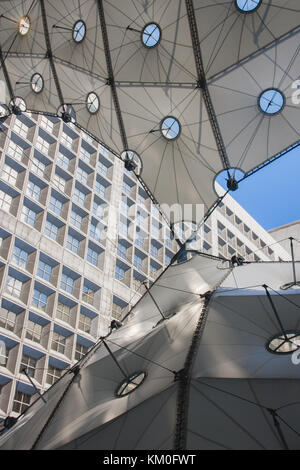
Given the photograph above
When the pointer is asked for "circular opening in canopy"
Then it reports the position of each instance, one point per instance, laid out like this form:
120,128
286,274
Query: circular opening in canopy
170,128
37,83
247,5
24,25
151,35
92,103
130,384
287,344
79,31
271,101
227,180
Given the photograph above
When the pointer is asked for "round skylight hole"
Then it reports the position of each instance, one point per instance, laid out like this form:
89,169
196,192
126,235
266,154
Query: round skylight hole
92,103
130,384
151,35
271,101
37,83
170,128
281,345
79,31
247,6
24,25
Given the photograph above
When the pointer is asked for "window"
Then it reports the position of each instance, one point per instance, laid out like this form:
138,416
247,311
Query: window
80,351
53,375
4,356
29,364
34,331
14,286
51,230
42,145
76,219
85,155
98,209
100,188
119,273
7,319
126,188
28,216
59,182
154,251
123,228
34,190
124,207
122,250
67,283
84,323
155,231
137,262
58,343
21,402
63,312
20,257
5,201
66,140
79,196
15,151
88,294
44,270
47,124
95,231
55,205
9,174
139,241
141,199
82,175
63,161
102,168
39,299
38,166
92,256
21,128
167,259
73,243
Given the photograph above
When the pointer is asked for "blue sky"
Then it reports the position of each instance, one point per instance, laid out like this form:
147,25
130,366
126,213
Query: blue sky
272,196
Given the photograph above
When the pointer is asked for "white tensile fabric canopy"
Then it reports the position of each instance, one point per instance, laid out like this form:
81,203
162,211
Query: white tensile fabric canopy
212,377
120,68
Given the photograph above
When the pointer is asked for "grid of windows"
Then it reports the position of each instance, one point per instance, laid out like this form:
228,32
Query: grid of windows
80,351
85,155
122,250
51,230
53,375
82,175
63,312
88,295
29,364
100,188
67,283
38,167
95,231
79,196
39,299
47,124
73,243
119,273
14,286
55,205
92,256
5,201
85,323
63,161
102,168
9,174
28,216
154,251
76,219
34,190
66,140
21,128
137,261
58,342
15,150
7,319
42,145
34,331
44,270
20,257
59,182
21,402
126,188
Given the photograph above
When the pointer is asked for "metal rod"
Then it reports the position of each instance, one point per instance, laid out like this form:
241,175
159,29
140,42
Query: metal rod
293,260
278,428
156,304
115,360
275,312
34,386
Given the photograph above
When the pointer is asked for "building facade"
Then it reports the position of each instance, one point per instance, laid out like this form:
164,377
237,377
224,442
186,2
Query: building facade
79,237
